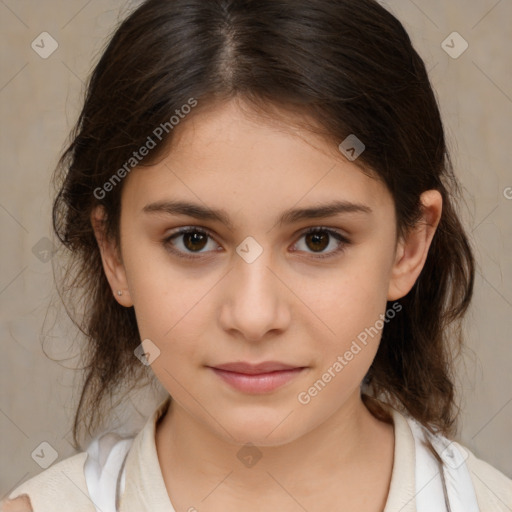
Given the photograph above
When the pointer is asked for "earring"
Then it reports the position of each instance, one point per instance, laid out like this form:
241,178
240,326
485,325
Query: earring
119,292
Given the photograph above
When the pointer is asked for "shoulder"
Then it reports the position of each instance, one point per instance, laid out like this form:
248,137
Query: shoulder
493,489
19,504
63,483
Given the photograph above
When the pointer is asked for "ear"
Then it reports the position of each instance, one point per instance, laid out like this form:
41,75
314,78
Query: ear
412,251
111,258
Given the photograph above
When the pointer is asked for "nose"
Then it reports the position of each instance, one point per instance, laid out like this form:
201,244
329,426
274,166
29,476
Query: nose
255,301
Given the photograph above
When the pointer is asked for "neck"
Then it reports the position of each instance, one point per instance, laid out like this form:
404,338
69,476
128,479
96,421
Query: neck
340,451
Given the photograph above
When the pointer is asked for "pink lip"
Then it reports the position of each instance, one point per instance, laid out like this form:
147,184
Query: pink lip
258,378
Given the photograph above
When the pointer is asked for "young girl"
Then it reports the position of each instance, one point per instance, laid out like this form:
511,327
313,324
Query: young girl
260,209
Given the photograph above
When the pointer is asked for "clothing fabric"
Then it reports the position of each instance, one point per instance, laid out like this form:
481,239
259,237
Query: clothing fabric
132,469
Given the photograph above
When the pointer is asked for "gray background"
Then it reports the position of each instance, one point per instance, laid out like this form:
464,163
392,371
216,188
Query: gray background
39,102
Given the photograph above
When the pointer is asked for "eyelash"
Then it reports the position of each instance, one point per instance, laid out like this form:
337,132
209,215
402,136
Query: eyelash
344,242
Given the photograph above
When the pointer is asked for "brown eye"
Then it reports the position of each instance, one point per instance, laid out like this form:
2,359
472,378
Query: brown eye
187,242
318,239
194,240
191,242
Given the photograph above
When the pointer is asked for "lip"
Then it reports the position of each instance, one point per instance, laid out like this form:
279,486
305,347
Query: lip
257,378
255,369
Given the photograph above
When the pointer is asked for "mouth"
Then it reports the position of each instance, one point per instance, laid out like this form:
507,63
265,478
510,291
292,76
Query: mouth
257,378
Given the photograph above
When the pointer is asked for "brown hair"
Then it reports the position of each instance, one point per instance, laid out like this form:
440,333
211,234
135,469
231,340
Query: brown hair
348,66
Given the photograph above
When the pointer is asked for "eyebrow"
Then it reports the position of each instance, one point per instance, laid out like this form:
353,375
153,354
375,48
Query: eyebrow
290,216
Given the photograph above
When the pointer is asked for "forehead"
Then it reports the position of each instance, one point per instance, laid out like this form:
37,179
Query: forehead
227,157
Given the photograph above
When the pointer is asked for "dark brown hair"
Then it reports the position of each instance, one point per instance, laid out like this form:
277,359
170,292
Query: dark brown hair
350,68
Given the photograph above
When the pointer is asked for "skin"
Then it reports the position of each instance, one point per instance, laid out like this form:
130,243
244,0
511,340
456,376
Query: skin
19,504
287,305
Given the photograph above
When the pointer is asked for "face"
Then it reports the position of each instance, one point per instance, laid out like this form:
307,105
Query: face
248,282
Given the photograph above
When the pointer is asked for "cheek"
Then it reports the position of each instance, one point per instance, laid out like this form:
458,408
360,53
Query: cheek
167,302
346,343
352,306
349,300
171,315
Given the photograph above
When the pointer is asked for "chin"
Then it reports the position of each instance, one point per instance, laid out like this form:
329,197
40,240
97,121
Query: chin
262,428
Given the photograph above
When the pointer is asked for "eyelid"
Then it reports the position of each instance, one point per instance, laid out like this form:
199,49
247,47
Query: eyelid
184,230
343,240
333,232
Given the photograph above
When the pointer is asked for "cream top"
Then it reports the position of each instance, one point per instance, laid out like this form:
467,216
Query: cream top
64,482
